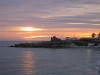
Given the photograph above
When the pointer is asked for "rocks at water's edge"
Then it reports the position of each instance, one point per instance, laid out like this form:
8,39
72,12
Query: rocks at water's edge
58,43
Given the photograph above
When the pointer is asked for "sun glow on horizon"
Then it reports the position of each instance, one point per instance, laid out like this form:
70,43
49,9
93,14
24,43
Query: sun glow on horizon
30,29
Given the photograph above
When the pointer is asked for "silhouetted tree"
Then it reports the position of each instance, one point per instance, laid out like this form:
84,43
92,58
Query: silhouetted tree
93,35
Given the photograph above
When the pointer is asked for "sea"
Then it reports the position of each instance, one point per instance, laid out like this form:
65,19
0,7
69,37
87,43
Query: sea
48,61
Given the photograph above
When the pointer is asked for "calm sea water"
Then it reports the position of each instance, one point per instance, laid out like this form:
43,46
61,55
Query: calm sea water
45,61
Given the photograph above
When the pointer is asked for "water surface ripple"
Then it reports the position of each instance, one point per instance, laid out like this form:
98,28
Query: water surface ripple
45,61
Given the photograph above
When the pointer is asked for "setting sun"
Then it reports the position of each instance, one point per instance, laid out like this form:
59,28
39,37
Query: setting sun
30,29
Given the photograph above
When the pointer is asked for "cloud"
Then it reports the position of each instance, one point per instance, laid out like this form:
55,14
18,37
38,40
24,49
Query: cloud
50,13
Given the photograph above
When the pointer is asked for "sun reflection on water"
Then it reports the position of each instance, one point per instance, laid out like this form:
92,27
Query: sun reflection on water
88,54
28,63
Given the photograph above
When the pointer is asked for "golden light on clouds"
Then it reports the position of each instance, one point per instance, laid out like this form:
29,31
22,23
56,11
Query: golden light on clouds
34,33
30,29
96,24
75,23
96,20
85,35
32,37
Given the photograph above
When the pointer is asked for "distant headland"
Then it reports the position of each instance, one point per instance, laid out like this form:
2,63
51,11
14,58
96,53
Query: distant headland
55,42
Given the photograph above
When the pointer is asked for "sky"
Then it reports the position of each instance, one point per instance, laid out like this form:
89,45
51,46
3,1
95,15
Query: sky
41,19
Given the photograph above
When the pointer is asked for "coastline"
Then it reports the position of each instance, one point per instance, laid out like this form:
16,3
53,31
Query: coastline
45,45
59,43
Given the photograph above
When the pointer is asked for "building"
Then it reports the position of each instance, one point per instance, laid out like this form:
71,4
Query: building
71,39
98,36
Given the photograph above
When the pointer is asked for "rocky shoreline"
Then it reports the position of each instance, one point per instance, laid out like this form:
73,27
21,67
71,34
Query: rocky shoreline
41,45
58,43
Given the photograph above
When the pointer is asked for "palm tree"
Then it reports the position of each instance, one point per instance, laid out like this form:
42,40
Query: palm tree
93,35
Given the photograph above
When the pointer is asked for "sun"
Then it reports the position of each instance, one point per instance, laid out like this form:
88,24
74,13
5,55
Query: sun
30,29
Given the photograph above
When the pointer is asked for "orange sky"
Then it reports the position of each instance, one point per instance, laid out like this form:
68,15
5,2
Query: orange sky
32,33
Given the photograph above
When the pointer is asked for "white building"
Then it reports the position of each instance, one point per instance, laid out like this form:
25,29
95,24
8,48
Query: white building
98,36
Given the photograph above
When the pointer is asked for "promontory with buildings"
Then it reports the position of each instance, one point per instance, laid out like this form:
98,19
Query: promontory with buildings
93,41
